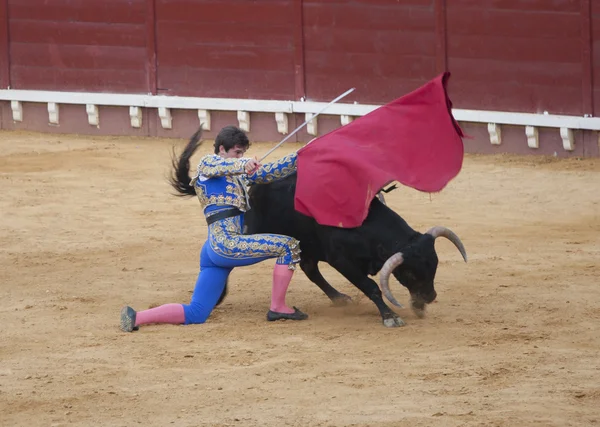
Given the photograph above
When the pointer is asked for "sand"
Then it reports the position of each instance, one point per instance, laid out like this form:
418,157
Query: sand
89,224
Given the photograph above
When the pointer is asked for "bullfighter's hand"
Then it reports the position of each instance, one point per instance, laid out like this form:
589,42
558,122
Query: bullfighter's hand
252,166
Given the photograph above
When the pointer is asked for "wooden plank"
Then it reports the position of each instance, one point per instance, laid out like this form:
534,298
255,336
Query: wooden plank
100,80
536,6
441,36
526,73
151,60
370,66
113,11
299,41
4,46
322,87
383,42
80,33
78,57
511,23
595,22
357,16
516,49
224,34
586,58
375,3
231,59
223,47
220,83
513,96
241,12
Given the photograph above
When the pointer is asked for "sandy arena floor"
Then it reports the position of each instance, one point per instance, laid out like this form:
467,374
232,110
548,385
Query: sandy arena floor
89,225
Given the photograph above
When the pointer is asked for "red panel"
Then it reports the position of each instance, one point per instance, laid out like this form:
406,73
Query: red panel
383,91
201,56
492,71
233,49
515,49
76,56
79,45
256,12
377,42
441,39
224,35
385,51
596,55
299,68
503,56
395,17
99,80
369,66
374,3
4,56
226,83
536,6
151,60
514,96
586,58
81,33
113,11
512,23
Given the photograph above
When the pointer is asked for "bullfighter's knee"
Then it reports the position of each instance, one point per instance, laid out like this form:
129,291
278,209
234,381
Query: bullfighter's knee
195,313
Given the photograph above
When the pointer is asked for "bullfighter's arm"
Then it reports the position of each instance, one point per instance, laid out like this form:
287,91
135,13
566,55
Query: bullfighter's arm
213,165
274,171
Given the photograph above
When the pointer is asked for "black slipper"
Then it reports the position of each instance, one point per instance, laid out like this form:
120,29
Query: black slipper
296,315
128,319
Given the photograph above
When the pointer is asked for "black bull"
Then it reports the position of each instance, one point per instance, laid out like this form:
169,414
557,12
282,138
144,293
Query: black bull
383,244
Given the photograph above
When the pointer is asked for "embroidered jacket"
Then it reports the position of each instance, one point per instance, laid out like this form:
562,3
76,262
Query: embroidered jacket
222,183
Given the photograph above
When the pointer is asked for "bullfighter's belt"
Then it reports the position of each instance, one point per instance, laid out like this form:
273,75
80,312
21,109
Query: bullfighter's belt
222,215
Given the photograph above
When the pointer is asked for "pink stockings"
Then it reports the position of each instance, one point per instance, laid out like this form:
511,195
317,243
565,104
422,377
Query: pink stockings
168,313
174,313
282,277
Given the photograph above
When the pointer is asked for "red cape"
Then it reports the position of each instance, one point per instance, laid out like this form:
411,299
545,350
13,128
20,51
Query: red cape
414,140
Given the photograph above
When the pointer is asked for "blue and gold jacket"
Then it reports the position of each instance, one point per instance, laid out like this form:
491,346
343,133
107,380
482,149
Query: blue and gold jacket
222,183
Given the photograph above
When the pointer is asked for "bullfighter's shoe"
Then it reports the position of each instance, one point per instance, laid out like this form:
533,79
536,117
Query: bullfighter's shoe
296,315
128,319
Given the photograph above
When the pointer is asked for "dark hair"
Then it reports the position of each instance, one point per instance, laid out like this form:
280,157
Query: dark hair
229,137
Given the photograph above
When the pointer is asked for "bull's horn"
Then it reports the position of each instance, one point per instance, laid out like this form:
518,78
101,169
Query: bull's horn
448,234
384,276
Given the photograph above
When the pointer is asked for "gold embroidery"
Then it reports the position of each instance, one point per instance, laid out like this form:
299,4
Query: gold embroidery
227,240
275,170
214,165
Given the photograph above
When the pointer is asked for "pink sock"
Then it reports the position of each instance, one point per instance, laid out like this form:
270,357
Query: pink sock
168,313
282,276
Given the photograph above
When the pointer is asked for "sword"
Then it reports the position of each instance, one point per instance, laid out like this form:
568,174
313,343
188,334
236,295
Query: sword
349,91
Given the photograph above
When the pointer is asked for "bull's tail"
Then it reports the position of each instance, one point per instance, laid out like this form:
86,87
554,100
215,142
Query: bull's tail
180,174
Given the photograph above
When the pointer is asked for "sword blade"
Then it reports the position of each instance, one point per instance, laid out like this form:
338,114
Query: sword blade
348,92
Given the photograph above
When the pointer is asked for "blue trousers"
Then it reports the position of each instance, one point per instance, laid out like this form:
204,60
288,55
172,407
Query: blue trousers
225,249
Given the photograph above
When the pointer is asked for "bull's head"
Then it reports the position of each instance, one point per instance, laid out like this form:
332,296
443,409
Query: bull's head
416,268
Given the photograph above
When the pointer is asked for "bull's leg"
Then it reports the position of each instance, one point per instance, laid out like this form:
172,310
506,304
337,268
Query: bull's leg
311,269
223,294
370,289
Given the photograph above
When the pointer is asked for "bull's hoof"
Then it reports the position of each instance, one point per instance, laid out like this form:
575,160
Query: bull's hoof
419,312
341,300
418,307
393,322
